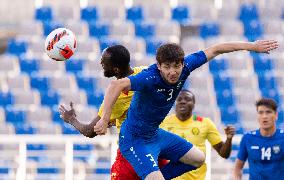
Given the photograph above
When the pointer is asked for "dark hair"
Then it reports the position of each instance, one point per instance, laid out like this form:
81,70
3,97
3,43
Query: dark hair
189,91
120,56
267,102
170,52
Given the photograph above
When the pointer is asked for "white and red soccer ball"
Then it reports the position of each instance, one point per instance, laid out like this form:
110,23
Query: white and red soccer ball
60,44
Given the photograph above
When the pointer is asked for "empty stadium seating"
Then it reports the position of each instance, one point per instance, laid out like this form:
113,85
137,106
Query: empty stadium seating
32,85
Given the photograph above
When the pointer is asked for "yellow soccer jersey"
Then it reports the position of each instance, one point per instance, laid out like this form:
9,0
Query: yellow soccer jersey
119,110
195,130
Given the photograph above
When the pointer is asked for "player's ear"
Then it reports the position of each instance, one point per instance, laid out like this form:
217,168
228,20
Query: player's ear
116,70
159,66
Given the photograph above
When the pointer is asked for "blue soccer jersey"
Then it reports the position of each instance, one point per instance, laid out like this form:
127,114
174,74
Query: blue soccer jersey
265,155
154,98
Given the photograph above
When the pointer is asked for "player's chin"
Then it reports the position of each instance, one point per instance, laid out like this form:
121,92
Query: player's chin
172,81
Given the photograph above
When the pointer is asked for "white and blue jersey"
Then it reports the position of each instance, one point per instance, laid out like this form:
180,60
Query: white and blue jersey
141,140
265,155
154,98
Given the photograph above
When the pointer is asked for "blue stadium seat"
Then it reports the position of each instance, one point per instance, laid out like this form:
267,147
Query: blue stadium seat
81,158
36,158
218,65
98,30
225,98
135,14
29,65
209,30
49,98
222,82
6,99
56,116
152,45
235,147
107,42
181,14
86,83
44,14
229,115
280,119
74,65
262,63
271,93
94,99
4,170
253,29
48,170
36,147
102,171
89,14
40,83
17,47
83,147
69,129
248,12
15,116
267,82
24,129
50,26
144,30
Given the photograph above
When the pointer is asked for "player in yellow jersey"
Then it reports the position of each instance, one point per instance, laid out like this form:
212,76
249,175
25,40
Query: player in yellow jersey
196,130
115,62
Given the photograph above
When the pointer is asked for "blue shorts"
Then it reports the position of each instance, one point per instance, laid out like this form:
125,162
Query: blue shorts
143,153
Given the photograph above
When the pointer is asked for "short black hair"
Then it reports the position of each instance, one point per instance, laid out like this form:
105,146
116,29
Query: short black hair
120,56
267,102
170,52
189,91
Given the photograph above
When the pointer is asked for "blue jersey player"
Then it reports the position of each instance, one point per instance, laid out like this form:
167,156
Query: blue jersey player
263,148
141,140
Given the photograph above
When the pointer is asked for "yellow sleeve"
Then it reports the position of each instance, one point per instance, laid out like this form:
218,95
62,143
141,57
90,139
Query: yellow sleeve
213,134
117,111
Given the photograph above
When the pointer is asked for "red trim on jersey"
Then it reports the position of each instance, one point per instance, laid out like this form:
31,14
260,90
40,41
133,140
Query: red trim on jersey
198,118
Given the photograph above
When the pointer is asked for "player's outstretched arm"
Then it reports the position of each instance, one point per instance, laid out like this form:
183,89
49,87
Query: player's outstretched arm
69,116
224,148
238,169
112,93
260,46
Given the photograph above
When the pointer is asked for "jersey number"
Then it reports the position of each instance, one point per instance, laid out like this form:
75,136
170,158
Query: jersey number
170,94
152,159
265,153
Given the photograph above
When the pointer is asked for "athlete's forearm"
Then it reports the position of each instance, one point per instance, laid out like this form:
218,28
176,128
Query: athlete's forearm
85,129
226,148
237,175
234,46
237,172
112,93
228,47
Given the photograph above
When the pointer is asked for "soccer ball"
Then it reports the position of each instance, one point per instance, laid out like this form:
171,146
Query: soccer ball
60,44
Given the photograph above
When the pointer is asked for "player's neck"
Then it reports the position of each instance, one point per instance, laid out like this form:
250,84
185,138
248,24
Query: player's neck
127,73
268,132
184,117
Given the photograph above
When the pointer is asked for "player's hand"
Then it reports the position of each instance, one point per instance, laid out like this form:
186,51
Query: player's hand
101,127
230,131
67,115
265,46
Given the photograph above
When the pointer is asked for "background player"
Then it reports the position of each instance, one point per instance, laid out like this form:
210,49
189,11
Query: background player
263,147
141,140
196,130
115,62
